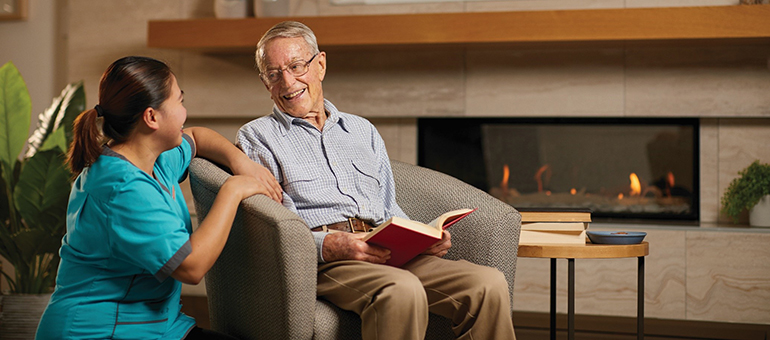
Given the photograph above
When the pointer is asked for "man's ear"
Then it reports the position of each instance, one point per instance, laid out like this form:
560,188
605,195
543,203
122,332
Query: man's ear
322,65
150,118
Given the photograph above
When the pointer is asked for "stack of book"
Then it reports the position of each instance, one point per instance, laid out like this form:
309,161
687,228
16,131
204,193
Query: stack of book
553,226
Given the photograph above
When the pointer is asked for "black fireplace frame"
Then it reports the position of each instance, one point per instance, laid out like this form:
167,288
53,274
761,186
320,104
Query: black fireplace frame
468,150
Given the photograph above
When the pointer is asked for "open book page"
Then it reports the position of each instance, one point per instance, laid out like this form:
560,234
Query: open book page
405,224
451,217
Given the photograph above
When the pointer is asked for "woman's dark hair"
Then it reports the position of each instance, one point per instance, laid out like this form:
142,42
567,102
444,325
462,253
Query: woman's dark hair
128,87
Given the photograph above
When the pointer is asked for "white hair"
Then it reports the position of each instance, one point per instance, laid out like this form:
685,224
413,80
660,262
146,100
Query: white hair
286,29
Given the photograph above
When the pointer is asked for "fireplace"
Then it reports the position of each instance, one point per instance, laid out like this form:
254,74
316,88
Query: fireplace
621,168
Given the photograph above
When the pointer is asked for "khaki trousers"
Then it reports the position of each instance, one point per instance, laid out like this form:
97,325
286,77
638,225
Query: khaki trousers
394,302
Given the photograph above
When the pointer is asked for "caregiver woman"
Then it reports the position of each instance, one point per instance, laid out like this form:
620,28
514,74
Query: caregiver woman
129,242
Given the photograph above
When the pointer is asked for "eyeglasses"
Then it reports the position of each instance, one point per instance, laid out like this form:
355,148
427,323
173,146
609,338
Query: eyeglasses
297,69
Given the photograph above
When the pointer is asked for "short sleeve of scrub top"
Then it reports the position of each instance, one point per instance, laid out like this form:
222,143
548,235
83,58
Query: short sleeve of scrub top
148,231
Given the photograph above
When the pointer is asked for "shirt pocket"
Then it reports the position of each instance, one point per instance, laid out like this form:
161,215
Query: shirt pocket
301,179
141,320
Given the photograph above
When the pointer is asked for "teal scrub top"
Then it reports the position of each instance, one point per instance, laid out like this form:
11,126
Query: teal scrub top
126,233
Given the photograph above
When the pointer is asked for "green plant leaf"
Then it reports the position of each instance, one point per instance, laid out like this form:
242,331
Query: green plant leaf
62,112
15,112
4,202
34,242
56,140
43,191
744,192
74,108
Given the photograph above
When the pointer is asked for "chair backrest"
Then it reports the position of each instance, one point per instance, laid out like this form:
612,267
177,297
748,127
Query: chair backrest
263,284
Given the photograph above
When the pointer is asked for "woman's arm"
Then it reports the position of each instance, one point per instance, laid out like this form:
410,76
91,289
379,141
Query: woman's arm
211,145
250,178
209,238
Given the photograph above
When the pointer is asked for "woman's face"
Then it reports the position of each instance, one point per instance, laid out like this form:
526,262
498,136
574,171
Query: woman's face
173,114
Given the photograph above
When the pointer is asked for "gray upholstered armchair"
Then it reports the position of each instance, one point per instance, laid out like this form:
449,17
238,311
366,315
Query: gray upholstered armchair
263,284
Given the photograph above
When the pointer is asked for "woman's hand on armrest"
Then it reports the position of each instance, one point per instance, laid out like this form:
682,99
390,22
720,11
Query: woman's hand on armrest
245,166
209,239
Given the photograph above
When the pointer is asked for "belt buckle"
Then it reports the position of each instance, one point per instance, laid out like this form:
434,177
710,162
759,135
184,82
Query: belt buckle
352,224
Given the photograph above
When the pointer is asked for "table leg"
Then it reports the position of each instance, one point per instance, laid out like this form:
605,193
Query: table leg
553,299
571,300
640,300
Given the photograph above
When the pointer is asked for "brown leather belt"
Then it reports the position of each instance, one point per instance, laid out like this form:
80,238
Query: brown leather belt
352,225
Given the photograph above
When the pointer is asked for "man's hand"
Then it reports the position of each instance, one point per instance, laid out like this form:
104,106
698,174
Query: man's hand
349,246
263,175
440,248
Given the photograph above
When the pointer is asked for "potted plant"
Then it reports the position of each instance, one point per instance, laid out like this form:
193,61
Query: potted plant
750,191
33,193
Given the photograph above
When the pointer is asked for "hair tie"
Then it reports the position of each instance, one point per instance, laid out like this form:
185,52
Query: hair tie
99,111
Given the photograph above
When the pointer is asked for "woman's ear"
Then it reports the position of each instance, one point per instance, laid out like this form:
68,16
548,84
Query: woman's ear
150,118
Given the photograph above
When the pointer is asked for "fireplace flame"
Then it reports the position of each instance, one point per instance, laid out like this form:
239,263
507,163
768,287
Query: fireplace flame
504,183
539,176
636,187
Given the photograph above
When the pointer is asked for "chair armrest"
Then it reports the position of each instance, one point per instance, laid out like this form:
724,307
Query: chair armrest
489,236
263,284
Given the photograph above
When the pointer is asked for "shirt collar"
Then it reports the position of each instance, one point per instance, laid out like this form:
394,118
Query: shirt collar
286,120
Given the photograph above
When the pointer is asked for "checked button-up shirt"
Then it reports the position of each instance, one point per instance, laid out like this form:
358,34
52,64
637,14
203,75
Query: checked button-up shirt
327,176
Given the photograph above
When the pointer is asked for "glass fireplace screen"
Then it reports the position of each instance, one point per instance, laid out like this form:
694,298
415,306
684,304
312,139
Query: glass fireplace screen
625,168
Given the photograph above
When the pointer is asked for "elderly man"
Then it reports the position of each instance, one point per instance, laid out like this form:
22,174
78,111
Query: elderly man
336,175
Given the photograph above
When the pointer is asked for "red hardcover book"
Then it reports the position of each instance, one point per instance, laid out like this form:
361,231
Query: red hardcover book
406,238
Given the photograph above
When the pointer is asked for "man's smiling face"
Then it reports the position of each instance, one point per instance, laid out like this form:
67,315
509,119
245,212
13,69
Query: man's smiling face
301,97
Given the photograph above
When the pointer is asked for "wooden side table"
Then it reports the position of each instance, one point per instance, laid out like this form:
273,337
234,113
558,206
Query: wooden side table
589,251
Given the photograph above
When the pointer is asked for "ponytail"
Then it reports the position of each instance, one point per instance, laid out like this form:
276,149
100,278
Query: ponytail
86,143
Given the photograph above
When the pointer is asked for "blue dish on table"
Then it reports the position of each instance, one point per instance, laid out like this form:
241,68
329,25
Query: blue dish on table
616,237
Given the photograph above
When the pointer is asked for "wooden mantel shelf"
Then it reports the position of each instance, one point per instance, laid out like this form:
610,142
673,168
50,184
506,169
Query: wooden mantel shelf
749,23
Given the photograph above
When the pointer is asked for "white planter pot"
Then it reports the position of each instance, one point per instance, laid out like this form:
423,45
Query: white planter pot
20,315
759,215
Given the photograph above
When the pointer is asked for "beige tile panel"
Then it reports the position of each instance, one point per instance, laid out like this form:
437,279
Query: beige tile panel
531,289
304,8
709,170
396,83
698,81
400,136
570,82
197,9
408,136
728,277
741,142
609,286
540,5
220,86
327,8
100,32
